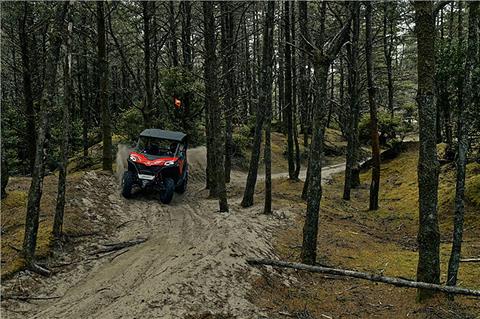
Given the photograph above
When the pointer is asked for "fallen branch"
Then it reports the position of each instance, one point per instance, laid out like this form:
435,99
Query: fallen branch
367,276
117,246
39,269
118,254
27,298
470,260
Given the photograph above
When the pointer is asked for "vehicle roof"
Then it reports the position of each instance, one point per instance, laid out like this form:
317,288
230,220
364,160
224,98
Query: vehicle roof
162,134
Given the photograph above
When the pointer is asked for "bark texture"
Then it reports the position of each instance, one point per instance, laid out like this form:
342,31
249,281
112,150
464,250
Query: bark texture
46,105
323,57
63,163
462,145
375,183
288,91
103,88
266,79
228,60
428,269
399,282
214,110
352,170
25,53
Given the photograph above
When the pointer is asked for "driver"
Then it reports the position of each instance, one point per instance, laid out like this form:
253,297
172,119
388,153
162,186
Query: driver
173,148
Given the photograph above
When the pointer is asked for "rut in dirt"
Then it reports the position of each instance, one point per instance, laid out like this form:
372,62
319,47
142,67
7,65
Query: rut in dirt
193,261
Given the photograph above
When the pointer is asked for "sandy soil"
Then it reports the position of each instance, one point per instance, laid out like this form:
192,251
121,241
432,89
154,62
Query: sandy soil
193,262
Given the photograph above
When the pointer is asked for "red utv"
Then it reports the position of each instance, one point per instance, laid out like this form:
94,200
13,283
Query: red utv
159,163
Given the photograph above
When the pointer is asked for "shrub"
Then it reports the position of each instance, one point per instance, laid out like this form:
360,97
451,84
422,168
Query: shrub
389,127
130,124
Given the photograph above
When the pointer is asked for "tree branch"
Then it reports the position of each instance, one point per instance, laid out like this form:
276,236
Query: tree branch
335,44
439,6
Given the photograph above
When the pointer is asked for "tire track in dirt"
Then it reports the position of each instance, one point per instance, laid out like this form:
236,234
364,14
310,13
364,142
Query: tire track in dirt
192,263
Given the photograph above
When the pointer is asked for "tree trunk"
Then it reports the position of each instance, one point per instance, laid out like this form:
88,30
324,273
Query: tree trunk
428,269
462,135
228,59
314,189
341,98
303,74
375,184
148,99
248,70
247,200
294,94
63,163
281,79
266,84
388,22
352,170
288,93
46,105
173,33
84,92
321,40
332,96
322,60
4,171
214,110
25,46
103,87
186,9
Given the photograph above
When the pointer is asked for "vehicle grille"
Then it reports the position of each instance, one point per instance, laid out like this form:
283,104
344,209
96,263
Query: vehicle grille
149,170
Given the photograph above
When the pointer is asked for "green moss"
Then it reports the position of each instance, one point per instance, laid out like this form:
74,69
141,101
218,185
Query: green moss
472,190
14,199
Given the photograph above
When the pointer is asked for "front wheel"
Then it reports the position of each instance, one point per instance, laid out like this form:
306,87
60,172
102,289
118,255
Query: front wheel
128,181
183,186
167,194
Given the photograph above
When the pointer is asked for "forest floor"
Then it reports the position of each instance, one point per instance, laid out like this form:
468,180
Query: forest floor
192,264
382,242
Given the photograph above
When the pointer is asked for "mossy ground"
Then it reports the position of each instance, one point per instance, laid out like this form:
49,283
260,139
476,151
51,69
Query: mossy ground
13,209
333,141
383,242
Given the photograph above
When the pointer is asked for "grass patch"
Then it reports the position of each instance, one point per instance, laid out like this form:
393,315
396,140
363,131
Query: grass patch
13,210
382,242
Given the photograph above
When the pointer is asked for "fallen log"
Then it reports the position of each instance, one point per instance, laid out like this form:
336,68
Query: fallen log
367,276
470,260
117,246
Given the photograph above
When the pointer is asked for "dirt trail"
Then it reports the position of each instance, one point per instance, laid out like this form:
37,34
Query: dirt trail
192,263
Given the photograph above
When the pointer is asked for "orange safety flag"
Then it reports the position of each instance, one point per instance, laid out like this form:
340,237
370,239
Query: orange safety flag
177,102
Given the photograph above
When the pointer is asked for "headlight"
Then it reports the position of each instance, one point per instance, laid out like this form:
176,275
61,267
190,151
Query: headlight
133,158
167,163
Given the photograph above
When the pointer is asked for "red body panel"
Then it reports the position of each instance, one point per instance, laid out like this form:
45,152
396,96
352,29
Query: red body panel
142,159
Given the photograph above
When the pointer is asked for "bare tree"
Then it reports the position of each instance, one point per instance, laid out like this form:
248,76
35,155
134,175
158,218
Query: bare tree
266,80
428,269
25,52
288,91
388,47
304,74
63,163
103,87
214,111
375,184
462,136
228,59
324,54
352,171
46,105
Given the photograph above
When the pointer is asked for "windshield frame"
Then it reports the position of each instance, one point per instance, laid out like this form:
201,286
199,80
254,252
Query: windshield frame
146,140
